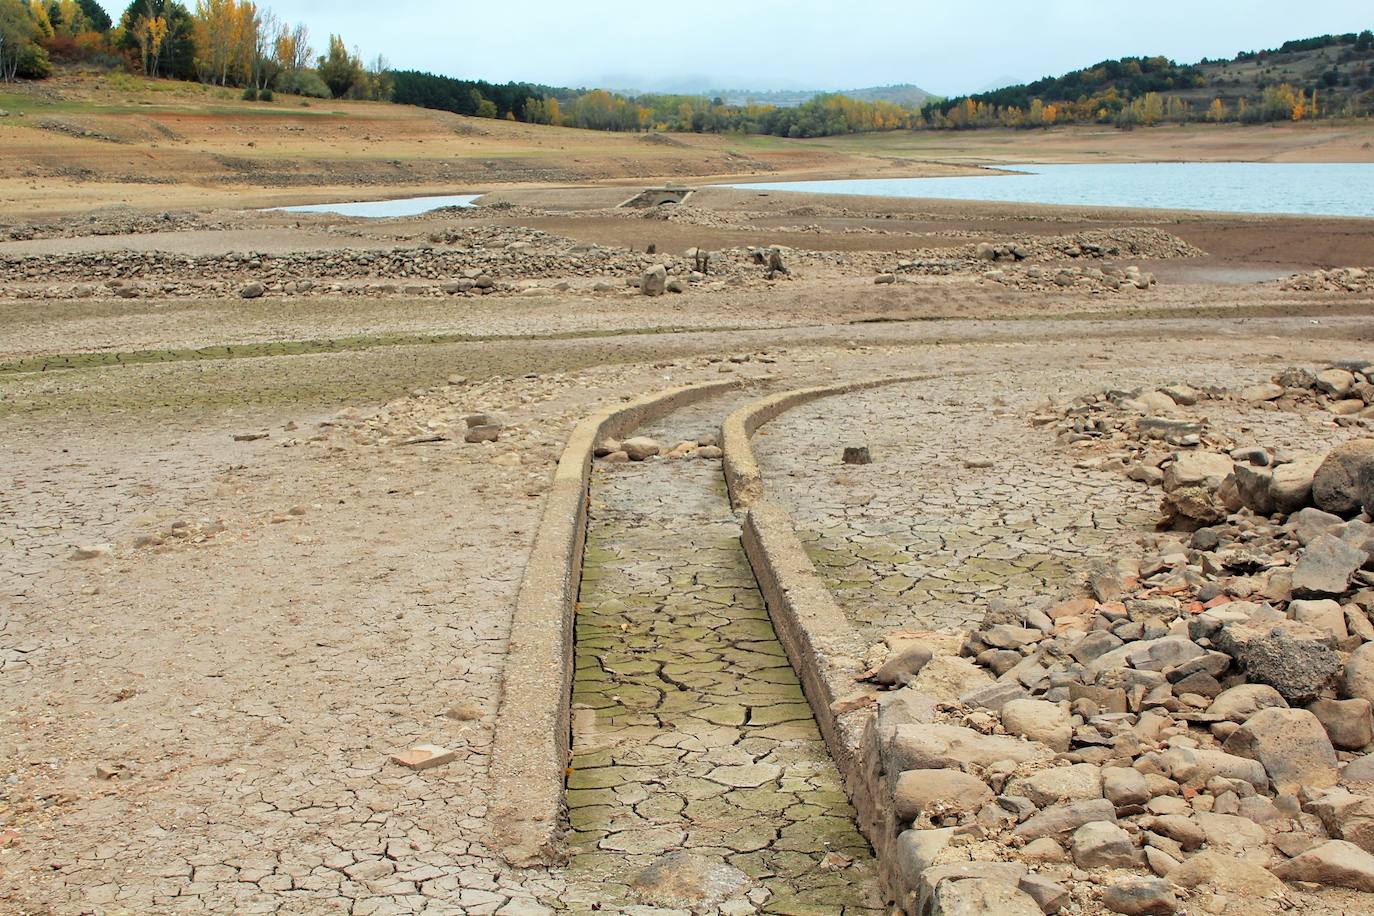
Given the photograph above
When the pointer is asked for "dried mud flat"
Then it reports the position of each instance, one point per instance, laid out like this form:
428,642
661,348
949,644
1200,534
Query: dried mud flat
249,554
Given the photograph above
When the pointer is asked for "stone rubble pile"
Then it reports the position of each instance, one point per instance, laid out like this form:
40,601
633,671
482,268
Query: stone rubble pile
1189,733
1339,280
643,448
117,222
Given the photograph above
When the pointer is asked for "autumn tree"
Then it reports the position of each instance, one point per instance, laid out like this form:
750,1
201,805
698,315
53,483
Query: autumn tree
176,52
339,69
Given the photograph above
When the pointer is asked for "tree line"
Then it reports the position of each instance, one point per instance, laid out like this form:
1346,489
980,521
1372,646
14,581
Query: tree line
238,43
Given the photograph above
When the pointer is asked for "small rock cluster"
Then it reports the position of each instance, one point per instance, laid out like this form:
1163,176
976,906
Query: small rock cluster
1192,731
1107,278
643,448
1340,280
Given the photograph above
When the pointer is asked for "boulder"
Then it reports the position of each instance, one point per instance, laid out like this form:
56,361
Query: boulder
1326,566
903,665
1079,782
937,746
1335,863
1290,485
1227,875
1335,383
980,897
1140,897
917,850
1348,723
252,290
1342,480
1347,817
641,448
1359,673
1125,786
1102,844
1323,614
938,792
1299,669
1310,523
1064,819
1236,704
1197,469
654,281
1039,720
1291,745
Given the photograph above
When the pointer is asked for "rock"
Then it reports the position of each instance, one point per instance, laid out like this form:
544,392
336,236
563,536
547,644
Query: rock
948,677
93,552
858,454
1040,721
676,285
1290,485
1063,819
938,792
1140,897
641,448
1359,772
981,897
253,290
936,746
489,433
1101,844
1049,896
1079,782
1334,864
904,665
607,447
1197,469
1291,745
1344,478
1358,682
1335,382
1043,851
1323,614
1265,392
1255,486
1244,700
1326,566
654,281
1310,523
1348,723
1227,875
1299,669
424,757
684,879
1197,767
1180,828
1154,402
885,279
917,850
1347,817
1124,786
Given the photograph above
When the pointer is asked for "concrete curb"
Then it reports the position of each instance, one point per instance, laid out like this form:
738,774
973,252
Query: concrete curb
533,727
824,648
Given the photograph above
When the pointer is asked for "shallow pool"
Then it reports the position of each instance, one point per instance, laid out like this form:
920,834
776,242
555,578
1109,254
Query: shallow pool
405,206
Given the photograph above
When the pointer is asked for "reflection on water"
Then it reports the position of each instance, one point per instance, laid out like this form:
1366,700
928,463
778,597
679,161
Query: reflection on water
1319,189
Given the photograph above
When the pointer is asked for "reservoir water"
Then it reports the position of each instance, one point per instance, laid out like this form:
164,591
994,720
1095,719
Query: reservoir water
1315,189
406,206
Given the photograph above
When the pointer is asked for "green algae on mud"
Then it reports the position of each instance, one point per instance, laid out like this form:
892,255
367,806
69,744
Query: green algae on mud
691,730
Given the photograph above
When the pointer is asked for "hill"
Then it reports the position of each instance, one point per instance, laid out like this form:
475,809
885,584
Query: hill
1326,76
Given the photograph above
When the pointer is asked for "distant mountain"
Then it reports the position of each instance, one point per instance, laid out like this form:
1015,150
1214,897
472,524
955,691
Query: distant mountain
904,94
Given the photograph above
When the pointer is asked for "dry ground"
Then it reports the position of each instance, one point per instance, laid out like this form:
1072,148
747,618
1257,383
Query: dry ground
272,616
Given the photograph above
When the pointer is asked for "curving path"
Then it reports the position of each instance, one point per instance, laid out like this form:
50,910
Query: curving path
699,779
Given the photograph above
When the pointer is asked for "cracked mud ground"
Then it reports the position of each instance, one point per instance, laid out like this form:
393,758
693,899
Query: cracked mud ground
690,728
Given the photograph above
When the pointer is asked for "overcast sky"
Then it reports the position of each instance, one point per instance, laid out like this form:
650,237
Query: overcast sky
946,48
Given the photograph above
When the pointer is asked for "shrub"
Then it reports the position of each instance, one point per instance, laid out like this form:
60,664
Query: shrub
33,63
264,95
304,82
249,94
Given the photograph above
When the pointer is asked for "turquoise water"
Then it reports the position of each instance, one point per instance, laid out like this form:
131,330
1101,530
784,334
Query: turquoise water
406,206
1324,189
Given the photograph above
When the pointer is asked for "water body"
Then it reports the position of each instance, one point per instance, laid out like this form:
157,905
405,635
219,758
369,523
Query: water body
376,209
1313,189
